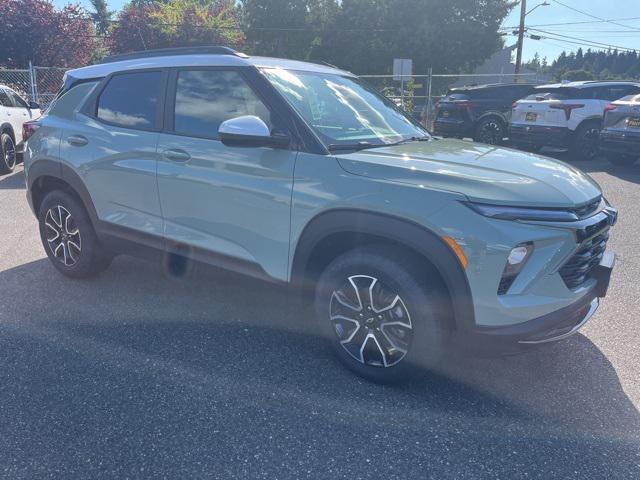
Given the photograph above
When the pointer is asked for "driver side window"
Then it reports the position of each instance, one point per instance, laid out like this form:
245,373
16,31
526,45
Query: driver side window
206,98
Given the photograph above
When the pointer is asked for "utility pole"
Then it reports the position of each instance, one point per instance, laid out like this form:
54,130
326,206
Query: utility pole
523,13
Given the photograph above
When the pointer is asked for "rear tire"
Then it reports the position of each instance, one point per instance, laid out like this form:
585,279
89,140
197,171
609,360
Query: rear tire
490,130
7,153
585,144
68,237
382,322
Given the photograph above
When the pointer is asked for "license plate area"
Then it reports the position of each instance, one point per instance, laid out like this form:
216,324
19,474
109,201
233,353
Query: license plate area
633,123
531,117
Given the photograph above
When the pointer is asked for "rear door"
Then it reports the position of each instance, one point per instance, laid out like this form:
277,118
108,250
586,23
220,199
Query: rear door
19,113
111,144
5,105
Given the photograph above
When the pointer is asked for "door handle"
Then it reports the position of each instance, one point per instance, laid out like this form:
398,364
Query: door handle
177,155
77,140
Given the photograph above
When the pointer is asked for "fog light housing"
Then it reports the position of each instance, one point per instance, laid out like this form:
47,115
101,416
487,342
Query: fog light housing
516,260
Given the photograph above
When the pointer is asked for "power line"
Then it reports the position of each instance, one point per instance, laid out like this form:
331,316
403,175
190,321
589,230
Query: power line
593,16
624,19
582,41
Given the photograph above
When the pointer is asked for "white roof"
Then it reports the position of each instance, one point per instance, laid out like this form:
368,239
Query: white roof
196,60
585,84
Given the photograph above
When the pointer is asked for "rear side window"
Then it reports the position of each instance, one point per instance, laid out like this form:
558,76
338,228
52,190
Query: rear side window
206,98
131,100
71,100
4,99
17,100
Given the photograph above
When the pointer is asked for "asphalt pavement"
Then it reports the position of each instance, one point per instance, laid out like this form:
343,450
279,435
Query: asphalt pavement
139,375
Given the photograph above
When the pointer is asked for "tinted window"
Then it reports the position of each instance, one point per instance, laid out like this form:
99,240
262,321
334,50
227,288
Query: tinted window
69,101
618,91
131,100
17,100
206,98
4,99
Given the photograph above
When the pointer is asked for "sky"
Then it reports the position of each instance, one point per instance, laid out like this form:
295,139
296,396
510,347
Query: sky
600,32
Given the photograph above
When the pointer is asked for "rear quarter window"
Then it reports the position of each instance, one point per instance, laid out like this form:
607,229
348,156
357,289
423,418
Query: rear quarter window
71,100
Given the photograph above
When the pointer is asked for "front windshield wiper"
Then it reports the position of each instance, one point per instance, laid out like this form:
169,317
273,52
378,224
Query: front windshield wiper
410,139
351,146
362,145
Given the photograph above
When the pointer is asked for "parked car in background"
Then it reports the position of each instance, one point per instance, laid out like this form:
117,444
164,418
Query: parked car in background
302,175
566,115
620,135
481,112
14,112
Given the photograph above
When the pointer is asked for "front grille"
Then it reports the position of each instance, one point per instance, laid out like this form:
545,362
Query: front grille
588,209
576,271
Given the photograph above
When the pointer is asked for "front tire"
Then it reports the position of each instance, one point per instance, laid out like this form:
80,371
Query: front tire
68,237
7,153
382,322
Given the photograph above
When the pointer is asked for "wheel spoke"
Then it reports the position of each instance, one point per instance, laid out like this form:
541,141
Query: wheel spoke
62,235
379,337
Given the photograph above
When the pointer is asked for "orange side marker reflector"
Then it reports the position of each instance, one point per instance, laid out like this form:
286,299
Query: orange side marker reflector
457,250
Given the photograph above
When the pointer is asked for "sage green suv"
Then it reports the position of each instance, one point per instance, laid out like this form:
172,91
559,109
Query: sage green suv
303,175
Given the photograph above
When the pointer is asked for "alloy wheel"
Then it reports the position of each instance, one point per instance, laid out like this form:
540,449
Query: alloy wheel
371,321
9,151
490,133
63,235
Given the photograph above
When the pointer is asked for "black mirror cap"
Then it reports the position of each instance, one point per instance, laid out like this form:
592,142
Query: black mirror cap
277,140
34,105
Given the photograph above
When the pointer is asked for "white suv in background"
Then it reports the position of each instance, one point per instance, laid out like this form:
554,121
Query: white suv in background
566,115
14,112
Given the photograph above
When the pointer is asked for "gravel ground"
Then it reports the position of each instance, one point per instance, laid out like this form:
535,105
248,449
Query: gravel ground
137,375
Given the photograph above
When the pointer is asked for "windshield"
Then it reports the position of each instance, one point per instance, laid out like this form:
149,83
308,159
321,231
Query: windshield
344,110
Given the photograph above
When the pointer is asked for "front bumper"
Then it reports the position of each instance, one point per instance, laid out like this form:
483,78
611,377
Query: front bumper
548,328
614,141
539,135
452,128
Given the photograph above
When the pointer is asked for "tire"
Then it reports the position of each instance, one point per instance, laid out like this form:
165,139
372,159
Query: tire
68,237
411,327
7,153
490,130
621,160
585,144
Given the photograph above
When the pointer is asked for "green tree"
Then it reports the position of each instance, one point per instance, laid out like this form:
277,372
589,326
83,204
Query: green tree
176,23
448,35
101,16
286,28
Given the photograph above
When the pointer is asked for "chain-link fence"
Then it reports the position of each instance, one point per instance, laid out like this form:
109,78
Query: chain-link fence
38,84
418,94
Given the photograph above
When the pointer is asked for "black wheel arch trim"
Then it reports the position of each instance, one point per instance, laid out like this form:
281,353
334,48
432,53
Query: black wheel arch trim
499,115
405,232
7,126
56,169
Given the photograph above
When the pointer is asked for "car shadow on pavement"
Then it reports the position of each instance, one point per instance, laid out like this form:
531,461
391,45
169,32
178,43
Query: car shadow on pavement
13,181
138,370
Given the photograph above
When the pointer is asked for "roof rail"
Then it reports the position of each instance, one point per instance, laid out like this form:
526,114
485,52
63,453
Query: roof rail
165,52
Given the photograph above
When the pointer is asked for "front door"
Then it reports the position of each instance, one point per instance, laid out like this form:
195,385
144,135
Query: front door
226,204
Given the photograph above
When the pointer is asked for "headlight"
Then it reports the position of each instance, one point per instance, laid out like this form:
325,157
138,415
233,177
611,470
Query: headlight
522,213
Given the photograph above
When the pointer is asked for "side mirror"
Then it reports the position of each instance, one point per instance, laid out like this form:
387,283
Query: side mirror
249,131
34,105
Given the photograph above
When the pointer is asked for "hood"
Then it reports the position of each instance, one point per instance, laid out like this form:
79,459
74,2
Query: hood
480,172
